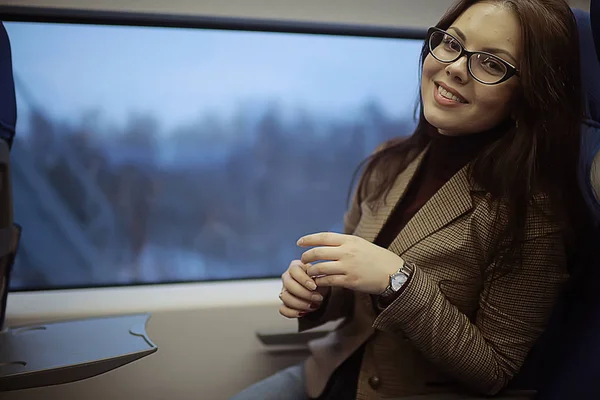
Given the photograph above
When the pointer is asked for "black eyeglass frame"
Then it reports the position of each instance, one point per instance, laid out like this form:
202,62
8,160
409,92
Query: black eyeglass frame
511,70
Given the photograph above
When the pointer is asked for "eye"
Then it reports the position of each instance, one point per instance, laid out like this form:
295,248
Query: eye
492,65
451,44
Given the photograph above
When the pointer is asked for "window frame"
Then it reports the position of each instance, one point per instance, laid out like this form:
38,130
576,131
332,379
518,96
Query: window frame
98,17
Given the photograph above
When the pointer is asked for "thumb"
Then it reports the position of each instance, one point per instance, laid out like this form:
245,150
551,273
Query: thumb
305,267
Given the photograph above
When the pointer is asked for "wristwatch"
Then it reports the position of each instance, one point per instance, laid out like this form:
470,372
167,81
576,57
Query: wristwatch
398,279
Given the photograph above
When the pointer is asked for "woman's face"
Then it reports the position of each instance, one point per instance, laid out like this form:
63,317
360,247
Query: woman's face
476,107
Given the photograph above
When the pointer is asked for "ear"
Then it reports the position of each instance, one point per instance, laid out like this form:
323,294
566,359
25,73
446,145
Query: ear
514,117
516,101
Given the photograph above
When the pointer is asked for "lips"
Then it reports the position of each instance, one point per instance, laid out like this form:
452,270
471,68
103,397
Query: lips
456,96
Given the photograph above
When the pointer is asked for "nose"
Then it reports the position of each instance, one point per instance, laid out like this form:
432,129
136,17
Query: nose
458,70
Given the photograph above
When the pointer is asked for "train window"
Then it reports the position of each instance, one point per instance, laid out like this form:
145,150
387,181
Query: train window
148,154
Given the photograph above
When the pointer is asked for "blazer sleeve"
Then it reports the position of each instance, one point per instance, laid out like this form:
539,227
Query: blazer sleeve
484,352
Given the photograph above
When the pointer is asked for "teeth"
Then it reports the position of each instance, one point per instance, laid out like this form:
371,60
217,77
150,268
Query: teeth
448,95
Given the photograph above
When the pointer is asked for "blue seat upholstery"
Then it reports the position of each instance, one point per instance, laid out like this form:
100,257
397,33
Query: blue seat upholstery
8,103
595,20
590,68
578,372
9,232
565,363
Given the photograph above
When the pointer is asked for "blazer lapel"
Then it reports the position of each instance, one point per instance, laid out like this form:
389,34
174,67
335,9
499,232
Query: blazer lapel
369,227
450,202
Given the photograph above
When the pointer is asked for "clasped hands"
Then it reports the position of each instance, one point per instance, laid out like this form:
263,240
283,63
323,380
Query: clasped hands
346,261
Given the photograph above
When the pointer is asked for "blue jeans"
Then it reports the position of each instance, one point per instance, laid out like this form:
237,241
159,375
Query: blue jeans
287,384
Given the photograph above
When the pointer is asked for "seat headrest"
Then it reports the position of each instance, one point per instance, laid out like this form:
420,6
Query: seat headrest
590,133
590,64
595,20
8,103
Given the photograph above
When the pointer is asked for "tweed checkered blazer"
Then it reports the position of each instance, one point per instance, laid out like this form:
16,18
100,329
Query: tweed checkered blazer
449,331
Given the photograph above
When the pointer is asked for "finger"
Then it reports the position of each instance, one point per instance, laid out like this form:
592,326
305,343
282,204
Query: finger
294,303
326,268
299,263
304,266
301,285
321,253
296,289
333,281
322,239
289,313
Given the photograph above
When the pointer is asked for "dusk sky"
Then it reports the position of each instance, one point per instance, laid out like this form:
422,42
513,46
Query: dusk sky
179,74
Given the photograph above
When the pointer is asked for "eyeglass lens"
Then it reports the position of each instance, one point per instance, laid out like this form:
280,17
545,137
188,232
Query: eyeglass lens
484,67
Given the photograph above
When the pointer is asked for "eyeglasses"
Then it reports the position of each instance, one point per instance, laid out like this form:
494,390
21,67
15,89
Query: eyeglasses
483,67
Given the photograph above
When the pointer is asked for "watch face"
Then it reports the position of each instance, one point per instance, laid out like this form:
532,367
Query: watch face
397,281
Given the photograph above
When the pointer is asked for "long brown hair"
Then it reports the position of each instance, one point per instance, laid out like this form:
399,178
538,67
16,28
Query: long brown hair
537,154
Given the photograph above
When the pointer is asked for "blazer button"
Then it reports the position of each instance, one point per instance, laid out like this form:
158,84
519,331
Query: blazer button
374,382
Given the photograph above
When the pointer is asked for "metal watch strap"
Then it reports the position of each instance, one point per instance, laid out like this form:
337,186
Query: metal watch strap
406,268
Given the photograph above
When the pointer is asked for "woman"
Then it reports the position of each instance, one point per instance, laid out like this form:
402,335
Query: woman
454,250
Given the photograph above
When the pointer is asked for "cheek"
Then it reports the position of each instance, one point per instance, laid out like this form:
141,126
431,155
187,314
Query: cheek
495,100
430,68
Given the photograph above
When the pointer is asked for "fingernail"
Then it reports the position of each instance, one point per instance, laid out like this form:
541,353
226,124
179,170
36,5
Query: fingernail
314,306
299,242
311,285
317,297
301,313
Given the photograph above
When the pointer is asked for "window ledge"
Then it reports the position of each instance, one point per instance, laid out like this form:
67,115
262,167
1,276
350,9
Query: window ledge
140,299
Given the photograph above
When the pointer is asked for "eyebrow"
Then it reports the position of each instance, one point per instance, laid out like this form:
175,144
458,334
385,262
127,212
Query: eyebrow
494,50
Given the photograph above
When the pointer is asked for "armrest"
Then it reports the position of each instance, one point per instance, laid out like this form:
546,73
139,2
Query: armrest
293,338
275,338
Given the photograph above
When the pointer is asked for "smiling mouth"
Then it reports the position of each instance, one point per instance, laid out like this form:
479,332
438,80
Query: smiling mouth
450,96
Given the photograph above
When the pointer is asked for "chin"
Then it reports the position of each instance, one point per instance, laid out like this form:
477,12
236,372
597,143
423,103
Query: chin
447,123
441,123
449,129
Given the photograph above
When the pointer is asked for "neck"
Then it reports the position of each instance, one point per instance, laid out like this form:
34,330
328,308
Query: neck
486,136
451,153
